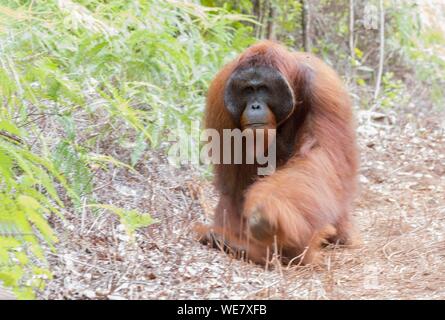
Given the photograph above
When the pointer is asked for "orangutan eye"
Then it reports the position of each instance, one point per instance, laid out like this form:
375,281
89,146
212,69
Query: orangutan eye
248,90
262,88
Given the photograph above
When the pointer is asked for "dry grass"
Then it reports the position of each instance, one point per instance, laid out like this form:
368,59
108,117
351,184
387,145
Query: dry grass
400,213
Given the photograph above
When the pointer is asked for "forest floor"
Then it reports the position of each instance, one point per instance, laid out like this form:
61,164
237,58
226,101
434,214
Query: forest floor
400,213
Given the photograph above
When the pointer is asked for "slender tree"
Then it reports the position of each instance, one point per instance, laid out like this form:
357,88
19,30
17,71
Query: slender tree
382,50
305,24
351,29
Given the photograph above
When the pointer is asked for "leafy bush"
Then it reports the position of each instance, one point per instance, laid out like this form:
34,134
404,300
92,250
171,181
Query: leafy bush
27,197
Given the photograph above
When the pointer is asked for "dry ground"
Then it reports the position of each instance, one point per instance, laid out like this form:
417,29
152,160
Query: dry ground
400,213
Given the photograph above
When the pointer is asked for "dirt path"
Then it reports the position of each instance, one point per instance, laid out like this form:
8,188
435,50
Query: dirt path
400,213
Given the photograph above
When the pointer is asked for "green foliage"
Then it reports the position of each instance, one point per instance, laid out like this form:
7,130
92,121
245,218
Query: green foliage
150,61
131,219
27,197
418,45
288,21
72,163
393,93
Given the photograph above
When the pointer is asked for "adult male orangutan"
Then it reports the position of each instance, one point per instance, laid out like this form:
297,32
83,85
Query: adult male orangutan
307,200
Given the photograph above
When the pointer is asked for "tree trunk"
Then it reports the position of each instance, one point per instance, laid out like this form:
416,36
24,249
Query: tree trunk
382,50
271,23
257,14
305,24
351,29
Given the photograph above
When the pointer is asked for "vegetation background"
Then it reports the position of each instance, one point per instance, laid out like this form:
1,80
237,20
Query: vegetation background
91,90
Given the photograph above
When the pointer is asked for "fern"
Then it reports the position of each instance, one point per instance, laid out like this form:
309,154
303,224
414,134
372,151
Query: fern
73,165
27,197
130,219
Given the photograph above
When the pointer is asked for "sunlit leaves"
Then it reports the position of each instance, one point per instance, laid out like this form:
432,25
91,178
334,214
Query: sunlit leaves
24,208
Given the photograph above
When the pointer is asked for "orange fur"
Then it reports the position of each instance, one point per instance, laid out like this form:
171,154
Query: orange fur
313,187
